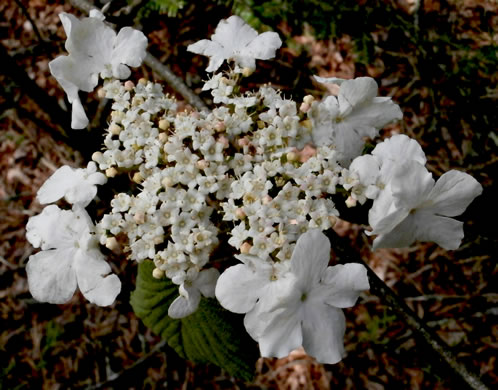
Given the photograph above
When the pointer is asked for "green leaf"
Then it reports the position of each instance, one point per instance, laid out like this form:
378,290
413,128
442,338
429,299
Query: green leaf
210,335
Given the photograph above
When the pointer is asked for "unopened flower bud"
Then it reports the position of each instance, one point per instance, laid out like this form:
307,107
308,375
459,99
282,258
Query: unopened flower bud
245,248
112,244
350,202
224,141
111,172
239,213
220,126
101,93
202,164
332,220
157,273
139,218
266,199
162,137
163,124
142,81
167,182
308,99
292,156
115,129
243,141
129,85
246,72
260,124
305,107
137,177
306,153
97,156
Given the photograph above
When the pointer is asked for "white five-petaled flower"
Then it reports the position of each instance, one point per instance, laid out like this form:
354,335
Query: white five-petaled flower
78,186
418,208
301,306
69,258
356,113
94,48
235,40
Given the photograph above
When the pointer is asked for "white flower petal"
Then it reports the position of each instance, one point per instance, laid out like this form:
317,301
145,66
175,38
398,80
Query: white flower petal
446,232
182,307
51,277
355,92
206,282
343,283
263,47
239,288
329,80
129,48
310,257
39,227
411,184
399,148
280,334
453,192
323,333
400,236
95,280
56,186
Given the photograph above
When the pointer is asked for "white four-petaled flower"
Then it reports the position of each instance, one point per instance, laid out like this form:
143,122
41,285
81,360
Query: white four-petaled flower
299,306
94,48
235,40
69,258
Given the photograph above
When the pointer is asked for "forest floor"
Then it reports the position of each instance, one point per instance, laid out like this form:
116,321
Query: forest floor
443,77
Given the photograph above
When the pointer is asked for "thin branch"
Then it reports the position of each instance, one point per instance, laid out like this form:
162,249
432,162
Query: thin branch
28,16
161,69
396,303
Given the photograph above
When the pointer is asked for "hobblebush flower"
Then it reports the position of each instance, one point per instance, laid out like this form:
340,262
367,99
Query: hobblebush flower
344,121
297,306
421,208
254,180
94,48
77,185
235,40
69,258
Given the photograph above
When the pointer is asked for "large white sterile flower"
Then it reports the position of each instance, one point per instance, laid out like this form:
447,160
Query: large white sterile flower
235,40
356,113
69,258
302,307
190,293
94,48
421,208
78,186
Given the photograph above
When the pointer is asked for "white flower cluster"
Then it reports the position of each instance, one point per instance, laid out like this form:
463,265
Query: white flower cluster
253,179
